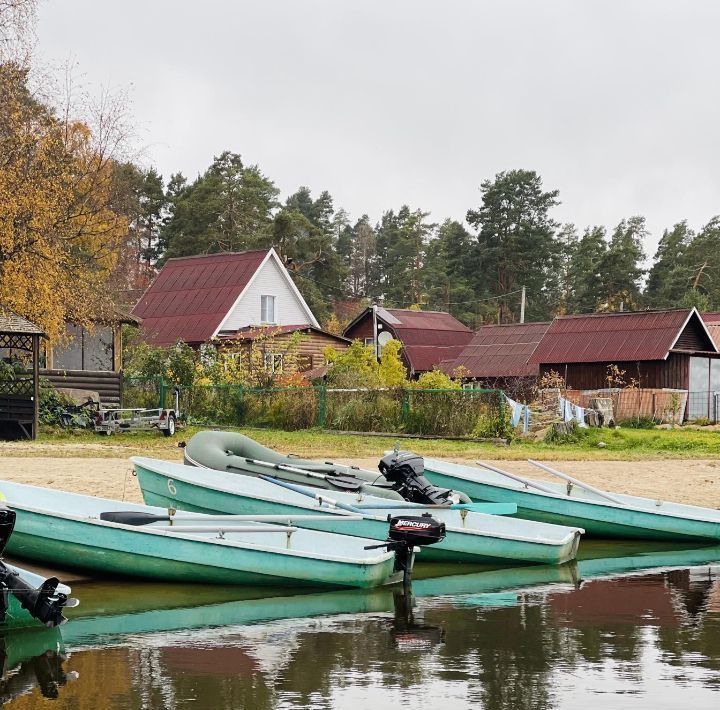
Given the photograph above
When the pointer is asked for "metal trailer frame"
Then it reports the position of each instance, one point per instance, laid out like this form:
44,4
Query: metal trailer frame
118,420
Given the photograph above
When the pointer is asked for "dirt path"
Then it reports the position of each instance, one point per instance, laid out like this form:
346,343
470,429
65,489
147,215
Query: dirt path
686,481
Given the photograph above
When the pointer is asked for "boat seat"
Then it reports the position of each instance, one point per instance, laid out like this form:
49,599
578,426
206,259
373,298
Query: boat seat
130,517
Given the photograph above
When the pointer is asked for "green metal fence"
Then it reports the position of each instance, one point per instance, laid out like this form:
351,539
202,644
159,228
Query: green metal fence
418,411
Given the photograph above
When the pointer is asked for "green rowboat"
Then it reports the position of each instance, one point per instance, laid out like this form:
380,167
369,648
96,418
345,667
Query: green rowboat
470,536
55,525
600,514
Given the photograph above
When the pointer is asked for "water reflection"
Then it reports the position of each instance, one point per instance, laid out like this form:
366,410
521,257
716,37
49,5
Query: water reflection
639,630
32,660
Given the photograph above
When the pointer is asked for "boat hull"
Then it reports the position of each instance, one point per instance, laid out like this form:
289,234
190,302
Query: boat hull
161,490
596,518
124,551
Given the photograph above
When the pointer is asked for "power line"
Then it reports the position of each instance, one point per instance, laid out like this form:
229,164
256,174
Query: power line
409,303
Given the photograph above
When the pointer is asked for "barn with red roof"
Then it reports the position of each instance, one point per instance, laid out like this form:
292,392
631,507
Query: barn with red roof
668,349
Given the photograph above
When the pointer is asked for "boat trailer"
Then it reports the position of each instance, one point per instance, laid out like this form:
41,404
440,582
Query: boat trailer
115,421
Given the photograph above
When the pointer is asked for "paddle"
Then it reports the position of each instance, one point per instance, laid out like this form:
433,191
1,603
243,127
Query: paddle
318,496
525,481
577,483
140,517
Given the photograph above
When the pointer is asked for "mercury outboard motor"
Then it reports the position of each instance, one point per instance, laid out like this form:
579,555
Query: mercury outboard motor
408,532
44,603
405,470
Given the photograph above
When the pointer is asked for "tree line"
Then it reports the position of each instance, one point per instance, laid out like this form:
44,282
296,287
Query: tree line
474,268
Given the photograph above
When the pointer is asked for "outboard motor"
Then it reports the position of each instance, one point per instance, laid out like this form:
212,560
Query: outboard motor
44,603
405,470
408,532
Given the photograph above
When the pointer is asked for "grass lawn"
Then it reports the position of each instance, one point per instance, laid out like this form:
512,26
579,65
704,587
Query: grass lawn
620,444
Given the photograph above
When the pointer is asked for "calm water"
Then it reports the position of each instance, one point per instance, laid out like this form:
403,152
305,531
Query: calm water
624,628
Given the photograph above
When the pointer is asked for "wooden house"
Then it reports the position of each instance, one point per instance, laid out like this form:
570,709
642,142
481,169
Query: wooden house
427,337
234,299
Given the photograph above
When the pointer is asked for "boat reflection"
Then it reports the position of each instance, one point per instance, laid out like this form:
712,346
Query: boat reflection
32,659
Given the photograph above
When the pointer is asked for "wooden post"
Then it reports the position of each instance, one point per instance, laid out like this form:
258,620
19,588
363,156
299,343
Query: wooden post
36,384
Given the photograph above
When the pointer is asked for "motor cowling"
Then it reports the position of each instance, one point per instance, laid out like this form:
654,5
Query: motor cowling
405,470
416,530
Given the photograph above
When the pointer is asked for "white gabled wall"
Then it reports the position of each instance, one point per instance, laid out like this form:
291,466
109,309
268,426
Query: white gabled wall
270,280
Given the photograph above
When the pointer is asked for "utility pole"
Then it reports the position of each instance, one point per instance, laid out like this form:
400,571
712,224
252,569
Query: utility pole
522,305
375,333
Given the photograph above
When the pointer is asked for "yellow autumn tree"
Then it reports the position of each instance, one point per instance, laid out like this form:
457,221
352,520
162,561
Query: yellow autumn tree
58,236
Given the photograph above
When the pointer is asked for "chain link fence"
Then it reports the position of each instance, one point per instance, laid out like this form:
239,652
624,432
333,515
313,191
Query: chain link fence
464,413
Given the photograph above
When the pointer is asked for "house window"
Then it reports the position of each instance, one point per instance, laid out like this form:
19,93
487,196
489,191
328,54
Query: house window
370,342
273,362
267,309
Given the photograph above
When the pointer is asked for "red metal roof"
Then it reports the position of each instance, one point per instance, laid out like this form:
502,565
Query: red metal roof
615,337
428,337
191,295
712,317
500,351
423,358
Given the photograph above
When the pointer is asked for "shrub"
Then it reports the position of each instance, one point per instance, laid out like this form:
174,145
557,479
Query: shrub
575,435
637,423
52,403
435,380
363,411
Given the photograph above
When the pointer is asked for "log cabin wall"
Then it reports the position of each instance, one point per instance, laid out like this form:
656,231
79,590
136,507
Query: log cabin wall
108,385
310,350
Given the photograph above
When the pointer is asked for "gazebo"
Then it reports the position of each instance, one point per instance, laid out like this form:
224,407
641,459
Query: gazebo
19,376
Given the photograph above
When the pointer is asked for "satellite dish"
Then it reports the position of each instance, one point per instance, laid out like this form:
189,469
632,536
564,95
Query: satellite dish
384,338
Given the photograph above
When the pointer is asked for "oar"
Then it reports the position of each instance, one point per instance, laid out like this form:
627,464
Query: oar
225,528
577,482
140,517
317,496
486,508
525,481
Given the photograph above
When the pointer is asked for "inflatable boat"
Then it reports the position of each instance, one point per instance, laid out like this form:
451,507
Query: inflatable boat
400,475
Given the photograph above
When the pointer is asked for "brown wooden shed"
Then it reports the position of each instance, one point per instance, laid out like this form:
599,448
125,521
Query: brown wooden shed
659,349
19,376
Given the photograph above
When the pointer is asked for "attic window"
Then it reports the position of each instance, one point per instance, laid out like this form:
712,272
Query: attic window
267,309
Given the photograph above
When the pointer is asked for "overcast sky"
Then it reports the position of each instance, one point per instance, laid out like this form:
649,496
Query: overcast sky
616,103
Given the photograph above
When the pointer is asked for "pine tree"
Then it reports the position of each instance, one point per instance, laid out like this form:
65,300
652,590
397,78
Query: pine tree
671,274
620,268
401,243
584,279
515,244
228,208
446,273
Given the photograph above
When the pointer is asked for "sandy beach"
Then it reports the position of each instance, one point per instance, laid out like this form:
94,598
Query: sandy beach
687,481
